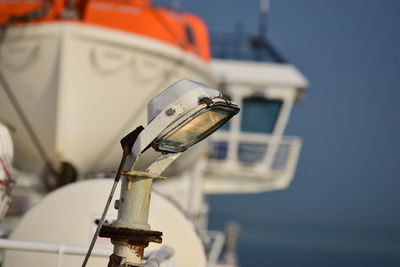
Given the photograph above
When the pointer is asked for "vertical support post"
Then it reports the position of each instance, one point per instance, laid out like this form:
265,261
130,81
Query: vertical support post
131,233
133,213
133,210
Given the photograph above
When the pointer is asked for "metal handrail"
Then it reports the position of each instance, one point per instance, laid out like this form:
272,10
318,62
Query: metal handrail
266,162
216,249
155,257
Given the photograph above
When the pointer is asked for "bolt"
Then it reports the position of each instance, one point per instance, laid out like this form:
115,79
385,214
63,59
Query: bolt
170,112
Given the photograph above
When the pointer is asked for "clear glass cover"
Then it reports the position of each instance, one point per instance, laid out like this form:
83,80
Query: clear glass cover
195,130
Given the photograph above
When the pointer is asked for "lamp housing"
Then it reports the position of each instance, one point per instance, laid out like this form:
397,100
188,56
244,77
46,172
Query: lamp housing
202,110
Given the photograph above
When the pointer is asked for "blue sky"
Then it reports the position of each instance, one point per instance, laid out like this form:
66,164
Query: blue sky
343,206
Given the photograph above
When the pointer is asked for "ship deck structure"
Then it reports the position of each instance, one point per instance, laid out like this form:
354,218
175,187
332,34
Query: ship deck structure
72,87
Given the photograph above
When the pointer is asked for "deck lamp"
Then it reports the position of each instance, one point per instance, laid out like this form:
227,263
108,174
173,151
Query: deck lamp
179,117
200,110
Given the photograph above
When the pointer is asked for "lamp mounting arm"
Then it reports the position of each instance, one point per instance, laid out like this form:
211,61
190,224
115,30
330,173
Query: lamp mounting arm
148,134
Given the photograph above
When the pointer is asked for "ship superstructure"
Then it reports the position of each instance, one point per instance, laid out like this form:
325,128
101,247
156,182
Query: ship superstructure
76,79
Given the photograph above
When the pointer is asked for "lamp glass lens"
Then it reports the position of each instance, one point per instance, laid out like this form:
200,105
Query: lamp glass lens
196,129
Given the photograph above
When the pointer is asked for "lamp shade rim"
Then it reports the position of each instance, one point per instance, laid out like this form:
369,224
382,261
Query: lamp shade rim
219,105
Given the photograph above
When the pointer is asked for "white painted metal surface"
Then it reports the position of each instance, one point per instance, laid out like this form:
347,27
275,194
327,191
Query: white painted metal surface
6,169
6,148
58,248
217,247
82,86
273,156
234,176
68,216
186,190
156,258
184,94
159,256
250,73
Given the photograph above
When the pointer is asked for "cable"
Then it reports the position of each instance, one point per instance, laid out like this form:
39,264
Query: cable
127,143
103,216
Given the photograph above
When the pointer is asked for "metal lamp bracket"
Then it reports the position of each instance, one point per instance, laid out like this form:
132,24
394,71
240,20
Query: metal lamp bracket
130,175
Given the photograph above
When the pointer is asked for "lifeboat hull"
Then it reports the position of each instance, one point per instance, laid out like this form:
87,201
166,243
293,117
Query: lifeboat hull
82,87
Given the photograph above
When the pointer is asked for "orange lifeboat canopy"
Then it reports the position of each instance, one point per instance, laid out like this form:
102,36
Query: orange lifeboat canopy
180,29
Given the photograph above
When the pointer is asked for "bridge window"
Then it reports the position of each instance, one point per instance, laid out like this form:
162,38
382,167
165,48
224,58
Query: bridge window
259,114
252,153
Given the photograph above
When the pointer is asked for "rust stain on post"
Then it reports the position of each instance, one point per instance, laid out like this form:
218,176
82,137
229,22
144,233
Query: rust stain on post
138,250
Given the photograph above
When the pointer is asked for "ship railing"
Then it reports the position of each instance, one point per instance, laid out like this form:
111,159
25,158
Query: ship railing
217,241
241,45
263,162
155,258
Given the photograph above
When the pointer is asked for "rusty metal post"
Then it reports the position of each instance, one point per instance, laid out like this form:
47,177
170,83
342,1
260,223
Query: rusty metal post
133,213
133,206
131,233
